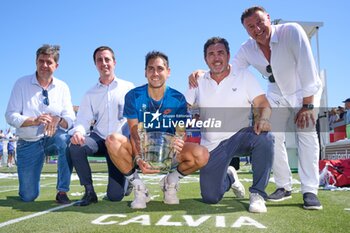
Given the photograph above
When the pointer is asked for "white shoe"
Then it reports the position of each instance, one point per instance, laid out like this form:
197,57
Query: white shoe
257,204
237,186
141,197
170,191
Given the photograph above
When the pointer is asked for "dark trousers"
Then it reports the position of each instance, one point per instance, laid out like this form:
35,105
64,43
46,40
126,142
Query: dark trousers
95,145
214,180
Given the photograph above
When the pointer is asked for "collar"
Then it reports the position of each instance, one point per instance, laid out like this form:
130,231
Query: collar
273,39
99,84
34,81
274,36
232,72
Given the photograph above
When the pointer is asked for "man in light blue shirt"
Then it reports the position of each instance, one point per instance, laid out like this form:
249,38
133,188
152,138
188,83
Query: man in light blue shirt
103,105
41,110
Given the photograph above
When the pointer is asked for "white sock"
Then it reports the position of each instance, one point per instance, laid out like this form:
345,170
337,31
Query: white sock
134,179
174,177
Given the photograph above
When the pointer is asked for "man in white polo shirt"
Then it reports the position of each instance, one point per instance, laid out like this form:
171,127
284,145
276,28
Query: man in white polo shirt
226,94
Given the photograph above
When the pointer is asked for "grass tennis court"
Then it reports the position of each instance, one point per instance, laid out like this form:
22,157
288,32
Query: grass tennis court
191,215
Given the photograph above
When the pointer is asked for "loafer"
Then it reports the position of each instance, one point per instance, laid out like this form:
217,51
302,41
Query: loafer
88,198
62,198
280,195
311,202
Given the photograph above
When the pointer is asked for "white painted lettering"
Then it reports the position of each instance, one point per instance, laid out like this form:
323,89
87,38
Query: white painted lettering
220,221
142,219
247,222
164,221
195,223
100,220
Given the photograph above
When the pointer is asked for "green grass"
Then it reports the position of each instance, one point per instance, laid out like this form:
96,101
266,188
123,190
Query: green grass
287,216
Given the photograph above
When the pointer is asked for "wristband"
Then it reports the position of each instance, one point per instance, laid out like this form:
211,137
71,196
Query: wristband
264,119
137,158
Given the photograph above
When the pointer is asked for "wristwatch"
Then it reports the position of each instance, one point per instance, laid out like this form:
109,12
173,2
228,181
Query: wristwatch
308,106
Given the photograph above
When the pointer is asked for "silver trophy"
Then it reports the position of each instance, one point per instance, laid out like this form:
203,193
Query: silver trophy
157,149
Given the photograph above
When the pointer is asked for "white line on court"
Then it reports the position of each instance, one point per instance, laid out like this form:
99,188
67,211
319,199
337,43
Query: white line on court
8,190
15,189
34,215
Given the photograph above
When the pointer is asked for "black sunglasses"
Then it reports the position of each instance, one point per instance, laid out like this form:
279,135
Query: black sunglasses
46,99
271,77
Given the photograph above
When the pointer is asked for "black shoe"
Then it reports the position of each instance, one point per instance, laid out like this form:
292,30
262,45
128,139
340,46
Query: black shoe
280,195
62,198
311,202
88,198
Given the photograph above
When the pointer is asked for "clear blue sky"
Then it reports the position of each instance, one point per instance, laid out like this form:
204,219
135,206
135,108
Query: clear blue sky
134,27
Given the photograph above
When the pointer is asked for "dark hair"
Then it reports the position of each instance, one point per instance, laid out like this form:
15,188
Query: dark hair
251,10
101,48
47,49
216,40
154,54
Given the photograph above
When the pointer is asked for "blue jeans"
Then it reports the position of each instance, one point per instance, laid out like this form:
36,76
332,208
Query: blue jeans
214,180
30,160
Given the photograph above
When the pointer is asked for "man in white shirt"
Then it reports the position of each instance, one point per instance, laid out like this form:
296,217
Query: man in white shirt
103,104
226,94
283,54
41,110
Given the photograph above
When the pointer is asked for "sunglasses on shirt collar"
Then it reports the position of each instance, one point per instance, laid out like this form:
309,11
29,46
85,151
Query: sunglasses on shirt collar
271,77
46,99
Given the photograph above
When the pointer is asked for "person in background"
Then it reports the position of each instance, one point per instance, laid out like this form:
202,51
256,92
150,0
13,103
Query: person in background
227,93
11,150
103,106
332,117
347,117
2,136
41,110
163,103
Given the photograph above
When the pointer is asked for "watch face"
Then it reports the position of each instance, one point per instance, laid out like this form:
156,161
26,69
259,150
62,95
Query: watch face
308,106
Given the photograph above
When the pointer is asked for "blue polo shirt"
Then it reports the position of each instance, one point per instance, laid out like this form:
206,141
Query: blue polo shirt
162,115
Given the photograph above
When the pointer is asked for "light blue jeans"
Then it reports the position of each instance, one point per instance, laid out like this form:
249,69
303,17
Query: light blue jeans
30,160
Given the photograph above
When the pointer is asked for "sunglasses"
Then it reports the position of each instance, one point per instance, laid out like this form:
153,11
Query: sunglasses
46,99
271,77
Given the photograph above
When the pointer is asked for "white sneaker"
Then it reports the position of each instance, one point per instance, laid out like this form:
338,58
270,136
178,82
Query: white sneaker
170,191
237,186
141,197
257,203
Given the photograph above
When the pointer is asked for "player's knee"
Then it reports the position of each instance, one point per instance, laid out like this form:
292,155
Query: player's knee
115,139
209,198
201,156
28,197
115,196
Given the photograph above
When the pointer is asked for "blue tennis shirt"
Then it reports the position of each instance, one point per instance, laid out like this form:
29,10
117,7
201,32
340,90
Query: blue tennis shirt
162,115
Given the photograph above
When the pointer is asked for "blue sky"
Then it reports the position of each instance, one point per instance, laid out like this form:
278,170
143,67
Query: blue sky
134,27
